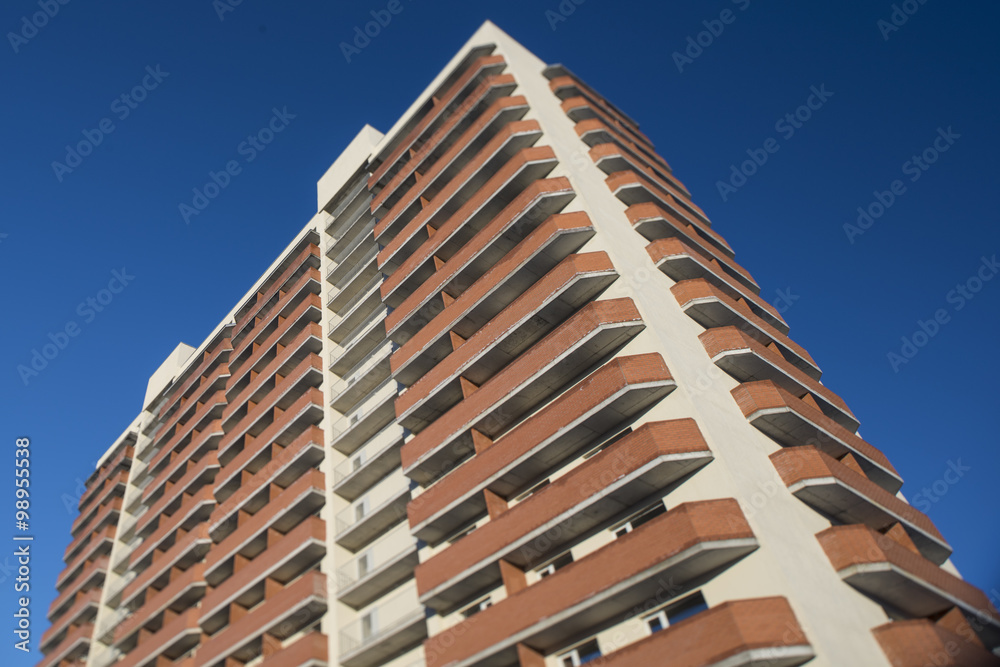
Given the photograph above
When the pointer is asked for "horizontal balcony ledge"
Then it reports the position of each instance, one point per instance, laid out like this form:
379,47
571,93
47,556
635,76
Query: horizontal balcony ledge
305,411
838,491
210,357
918,643
381,456
485,103
192,511
92,575
350,432
489,190
891,573
354,533
712,308
592,334
75,646
298,343
618,156
744,633
573,281
645,462
792,422
184,553
306,260
683,545
173,640
283,561
311,650
184,590
82,612
198,474
477,246
597,407
281,615
496,134
358,384
305,289
399,625
680,263
357,592
484,66
747,360
248,537
281,466
206,441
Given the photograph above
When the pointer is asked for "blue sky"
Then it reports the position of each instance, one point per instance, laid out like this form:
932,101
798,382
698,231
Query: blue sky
881,95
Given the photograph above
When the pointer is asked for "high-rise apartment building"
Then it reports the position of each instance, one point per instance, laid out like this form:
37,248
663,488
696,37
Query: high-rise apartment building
507,399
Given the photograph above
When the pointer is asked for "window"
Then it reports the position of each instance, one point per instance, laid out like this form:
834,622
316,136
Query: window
361,509
369,626
581,655
676,612
364,564
640,518
556,564
477,607
357,462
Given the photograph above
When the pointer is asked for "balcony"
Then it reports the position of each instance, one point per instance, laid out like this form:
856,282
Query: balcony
889,572
305,289
849,497
362,380
356,311
596,408
199,446
580,109
371,416
486,143
741,633
286,557
306,260
217,354
291,362
655,223
309,651
373,461
350,247
681,546
210,383
102,515
712,308
576,280
473,249
183,591
484,66
499,264
281,615
791,422
185,551
99,484
298,344
380,509
645,462
387,631
270,463
488,99
202,418
533,316
196,475
247,536
359,343
288,408
193,510
82,612
387,563
359,263
586,338
473,197
274,390
920,642
747,360
73,647
680,262
175,638
565,85
99,545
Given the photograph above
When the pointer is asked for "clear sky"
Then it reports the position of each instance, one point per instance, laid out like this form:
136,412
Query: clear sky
902,125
